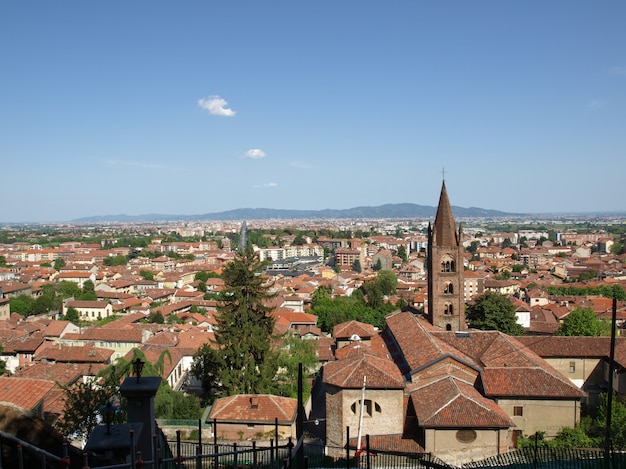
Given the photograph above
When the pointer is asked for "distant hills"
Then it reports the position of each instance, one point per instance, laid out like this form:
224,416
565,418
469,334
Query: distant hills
382,211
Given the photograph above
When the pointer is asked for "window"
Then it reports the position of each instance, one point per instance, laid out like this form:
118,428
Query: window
572,367
466,436
367,407
518,411
448,309
448,289
448,264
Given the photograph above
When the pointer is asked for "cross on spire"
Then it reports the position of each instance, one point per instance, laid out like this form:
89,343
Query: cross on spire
443,173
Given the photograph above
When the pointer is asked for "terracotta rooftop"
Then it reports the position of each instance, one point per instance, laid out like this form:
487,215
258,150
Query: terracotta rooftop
381,373
24,392
453,403
255,408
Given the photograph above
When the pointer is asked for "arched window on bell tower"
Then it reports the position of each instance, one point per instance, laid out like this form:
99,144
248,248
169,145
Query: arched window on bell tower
448,309
448,264
448,289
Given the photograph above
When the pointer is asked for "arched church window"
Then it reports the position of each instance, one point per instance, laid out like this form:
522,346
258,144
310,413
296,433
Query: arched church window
448,289
448,309
448,264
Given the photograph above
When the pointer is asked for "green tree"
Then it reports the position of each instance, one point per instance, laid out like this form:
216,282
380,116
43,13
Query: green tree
388,282
58,263
618,421
292,352
356,266
43,305
244,328
205,367
3,261
582,321
617,248
72,315
88,293
3,364
115,260
22,304
82,402
147,274
156,317
68,289
379,265
493,311
402,253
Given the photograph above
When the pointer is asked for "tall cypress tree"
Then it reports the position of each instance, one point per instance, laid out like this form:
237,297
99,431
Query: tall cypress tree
246,363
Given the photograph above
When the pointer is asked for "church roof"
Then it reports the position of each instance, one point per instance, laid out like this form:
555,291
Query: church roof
444,227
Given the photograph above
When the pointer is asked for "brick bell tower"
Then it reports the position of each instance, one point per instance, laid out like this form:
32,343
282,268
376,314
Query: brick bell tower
446,305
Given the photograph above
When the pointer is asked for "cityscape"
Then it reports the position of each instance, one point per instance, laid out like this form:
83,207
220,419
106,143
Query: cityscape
363,303
329,235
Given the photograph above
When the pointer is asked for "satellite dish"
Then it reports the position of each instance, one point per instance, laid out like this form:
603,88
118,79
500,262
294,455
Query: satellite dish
355,337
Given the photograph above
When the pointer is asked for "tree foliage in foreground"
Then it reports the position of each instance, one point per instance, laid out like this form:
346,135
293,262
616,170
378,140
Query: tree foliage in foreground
493,312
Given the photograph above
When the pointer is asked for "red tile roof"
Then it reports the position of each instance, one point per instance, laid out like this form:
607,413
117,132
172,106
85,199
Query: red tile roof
449,402
255,408
381,373
24,392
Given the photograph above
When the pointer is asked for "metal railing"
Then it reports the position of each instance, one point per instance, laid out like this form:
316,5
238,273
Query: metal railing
185,455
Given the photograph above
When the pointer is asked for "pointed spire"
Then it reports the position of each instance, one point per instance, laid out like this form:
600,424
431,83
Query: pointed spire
444,227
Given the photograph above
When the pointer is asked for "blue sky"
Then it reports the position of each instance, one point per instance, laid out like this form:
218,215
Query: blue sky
200,107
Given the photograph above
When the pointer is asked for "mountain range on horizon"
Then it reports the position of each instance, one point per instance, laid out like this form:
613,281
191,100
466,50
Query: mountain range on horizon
404,210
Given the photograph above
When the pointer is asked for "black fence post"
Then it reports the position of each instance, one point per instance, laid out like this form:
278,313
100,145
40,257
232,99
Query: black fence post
348,447
276,436
178,455
367,451
216,448
200,432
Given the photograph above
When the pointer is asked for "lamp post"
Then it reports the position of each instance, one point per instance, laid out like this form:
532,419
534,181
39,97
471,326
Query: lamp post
137,367
108,414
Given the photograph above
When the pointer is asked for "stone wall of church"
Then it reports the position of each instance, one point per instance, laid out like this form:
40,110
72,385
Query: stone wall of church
458,447
383,414
534,415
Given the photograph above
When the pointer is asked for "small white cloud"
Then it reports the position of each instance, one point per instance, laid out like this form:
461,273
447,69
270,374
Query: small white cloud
263,186
216,106
255,154
595,104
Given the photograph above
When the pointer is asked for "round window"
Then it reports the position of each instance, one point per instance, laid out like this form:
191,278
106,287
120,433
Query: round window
466,436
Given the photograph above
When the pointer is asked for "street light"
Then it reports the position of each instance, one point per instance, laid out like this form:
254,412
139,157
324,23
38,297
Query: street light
108,414
137,367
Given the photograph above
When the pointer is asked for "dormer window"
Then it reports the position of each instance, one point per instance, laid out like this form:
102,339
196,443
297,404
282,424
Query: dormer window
254,402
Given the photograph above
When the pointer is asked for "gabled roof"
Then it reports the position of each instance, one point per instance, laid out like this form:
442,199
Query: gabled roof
346,330
452,403
528,382
255,408
380,373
